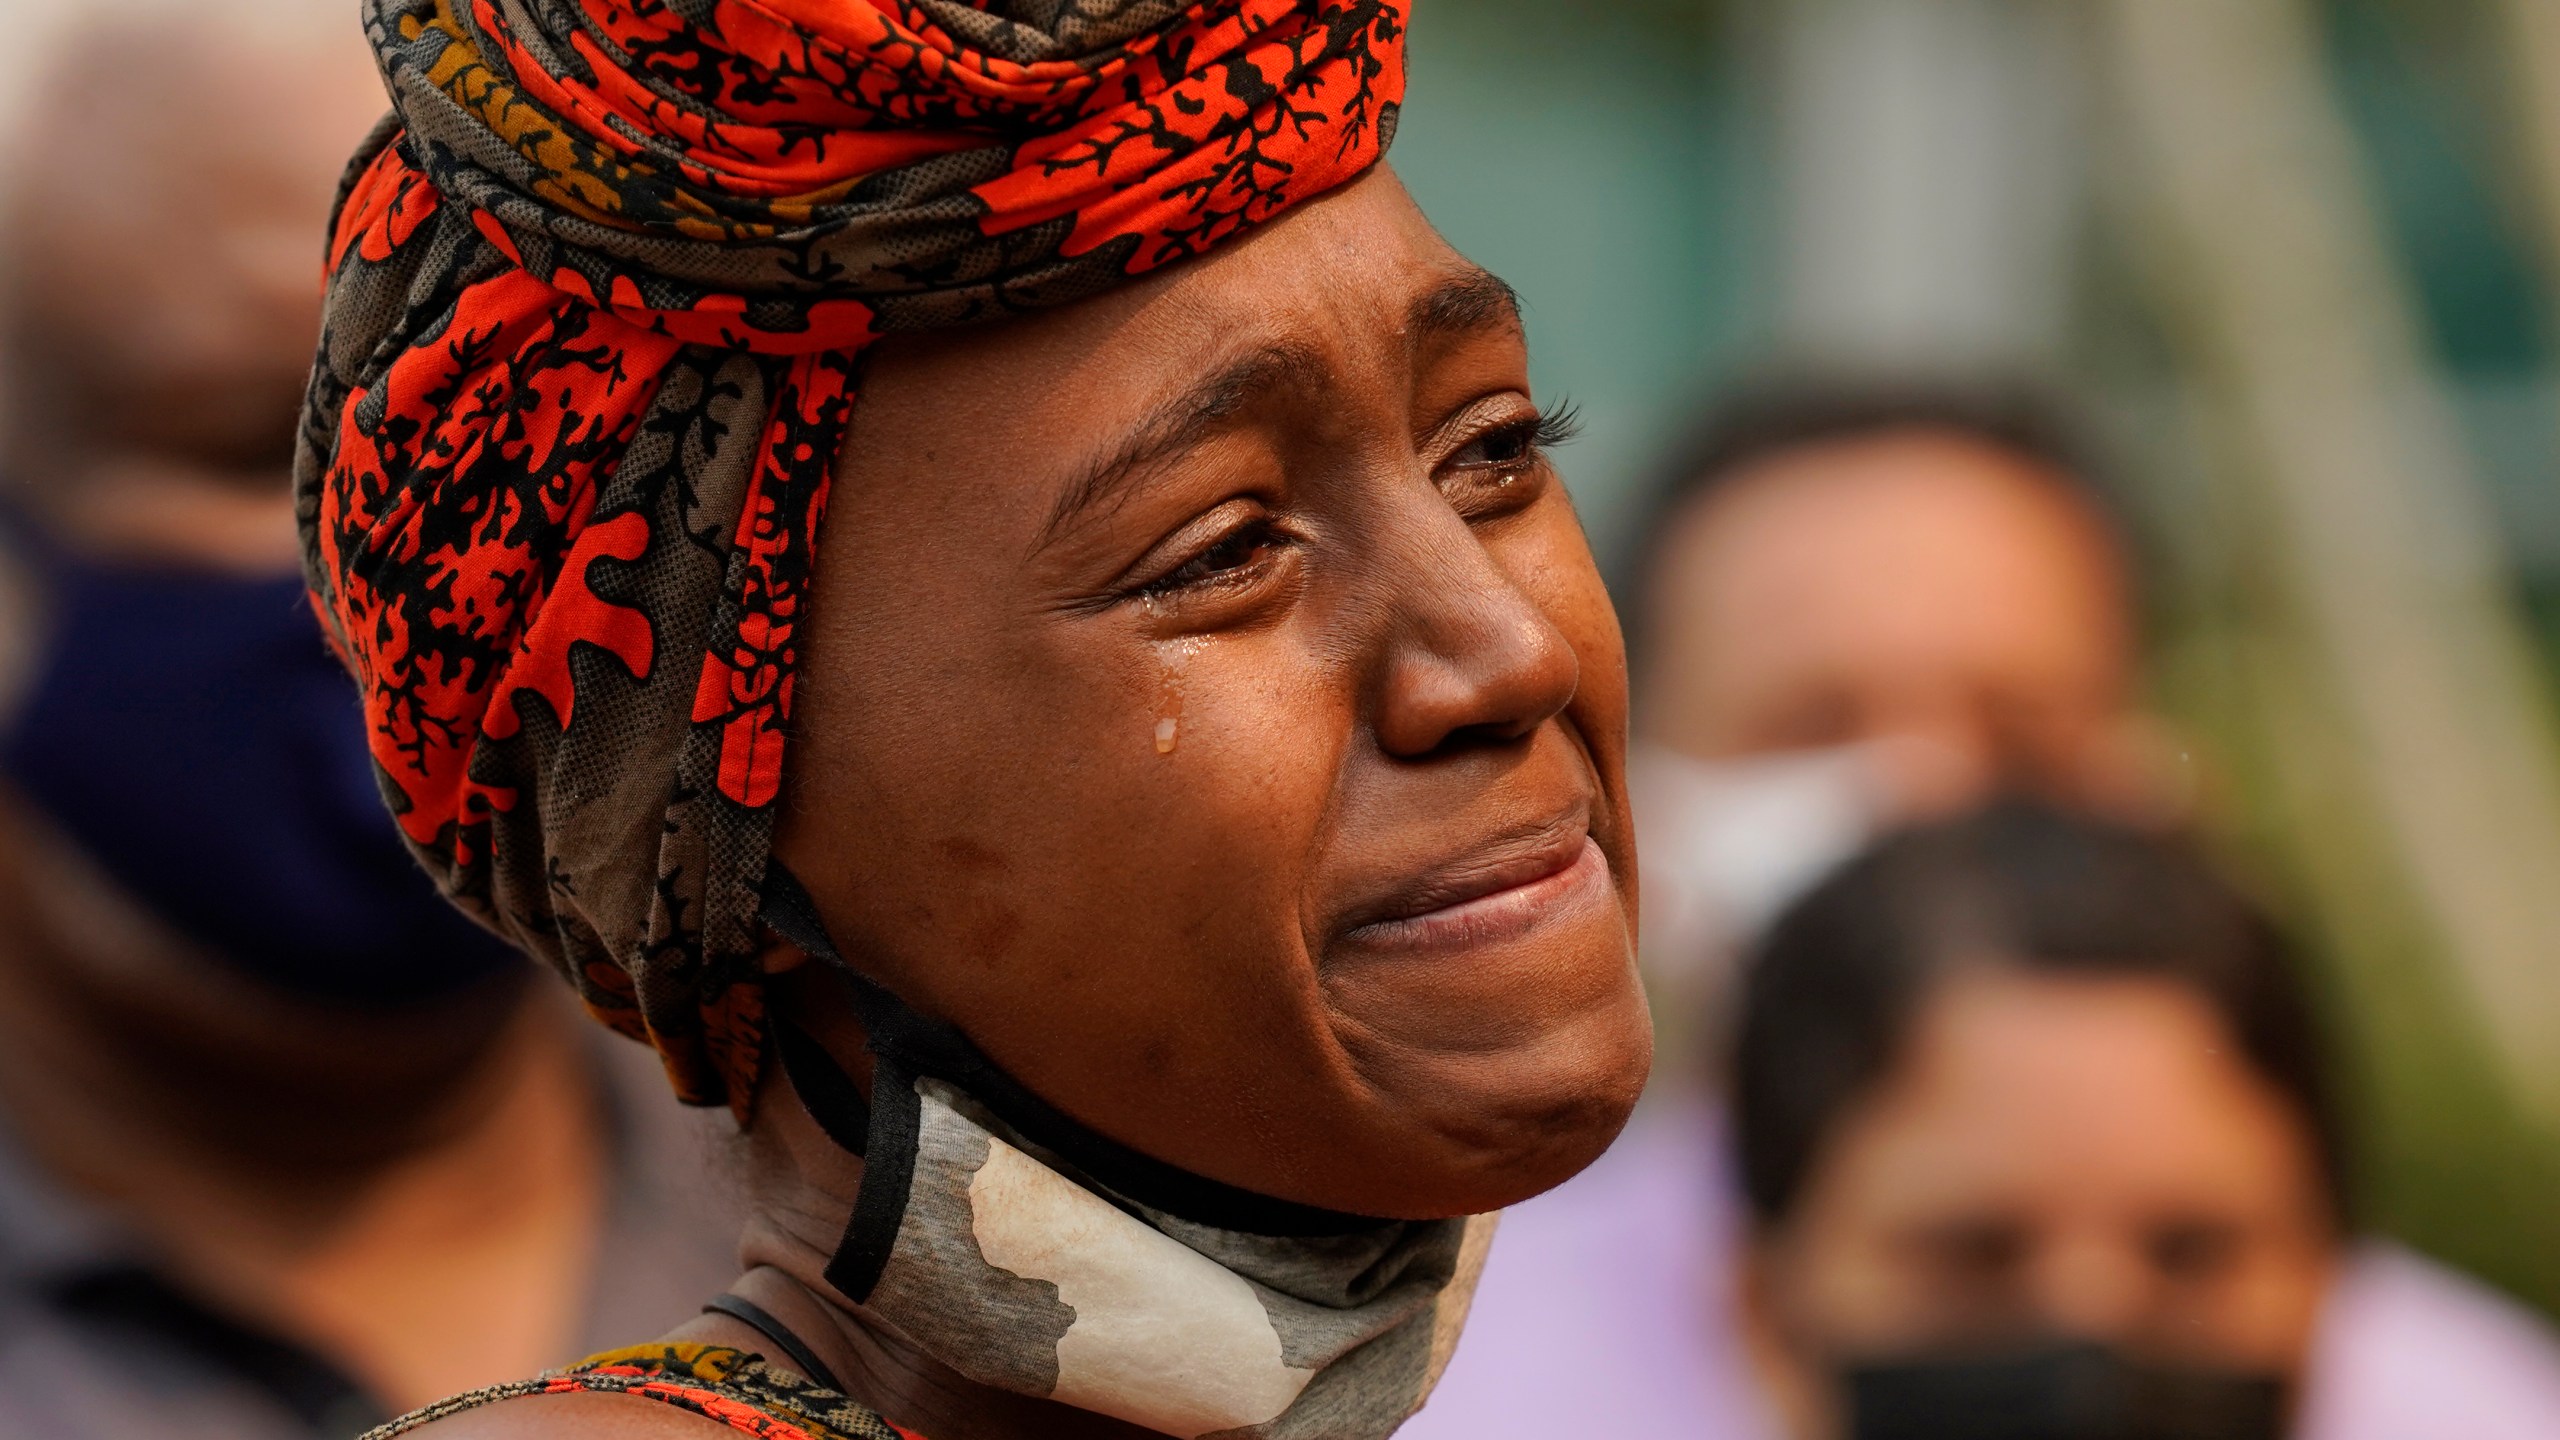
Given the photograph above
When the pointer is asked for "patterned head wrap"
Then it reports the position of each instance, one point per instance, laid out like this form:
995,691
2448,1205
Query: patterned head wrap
596,292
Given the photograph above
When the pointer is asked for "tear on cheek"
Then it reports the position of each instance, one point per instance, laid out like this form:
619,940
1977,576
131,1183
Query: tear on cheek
1174,656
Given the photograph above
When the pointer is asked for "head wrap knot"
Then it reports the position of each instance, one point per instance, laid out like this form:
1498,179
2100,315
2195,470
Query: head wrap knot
595,294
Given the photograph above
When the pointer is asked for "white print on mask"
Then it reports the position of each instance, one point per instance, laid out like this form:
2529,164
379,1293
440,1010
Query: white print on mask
1724,846
1163,1336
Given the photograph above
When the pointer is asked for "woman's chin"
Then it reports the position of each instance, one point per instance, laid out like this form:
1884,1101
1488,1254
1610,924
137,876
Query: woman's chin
1480,1126
1540,1142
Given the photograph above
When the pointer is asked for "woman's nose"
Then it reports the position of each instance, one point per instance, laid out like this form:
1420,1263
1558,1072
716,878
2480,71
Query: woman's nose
2093,1288
1937,755
1472,658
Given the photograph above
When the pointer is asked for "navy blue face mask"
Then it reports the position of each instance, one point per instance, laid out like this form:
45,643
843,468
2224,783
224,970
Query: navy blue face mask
192,734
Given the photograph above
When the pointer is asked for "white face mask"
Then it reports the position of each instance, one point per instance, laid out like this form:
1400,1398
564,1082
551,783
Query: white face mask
1724,846
1034,1255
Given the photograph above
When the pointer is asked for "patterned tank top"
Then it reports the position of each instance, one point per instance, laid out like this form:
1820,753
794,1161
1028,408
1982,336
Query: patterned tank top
734,1387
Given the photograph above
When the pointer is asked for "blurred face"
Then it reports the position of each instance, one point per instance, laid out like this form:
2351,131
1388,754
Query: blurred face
2054,1157
159,280
168,207
1213,708
1919,589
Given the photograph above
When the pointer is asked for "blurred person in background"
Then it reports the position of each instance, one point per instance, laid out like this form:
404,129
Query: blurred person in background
1863,603
286,1144
1859,605
2034,1120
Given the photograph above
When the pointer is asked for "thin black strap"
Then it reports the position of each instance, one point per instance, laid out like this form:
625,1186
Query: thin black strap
757,1318
826,1092
888,1173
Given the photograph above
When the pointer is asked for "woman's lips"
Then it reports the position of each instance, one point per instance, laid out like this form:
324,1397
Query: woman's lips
1497,902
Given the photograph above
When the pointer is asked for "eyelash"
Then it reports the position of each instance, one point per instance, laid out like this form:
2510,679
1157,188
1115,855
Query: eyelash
1536,434
1252,538
1560,426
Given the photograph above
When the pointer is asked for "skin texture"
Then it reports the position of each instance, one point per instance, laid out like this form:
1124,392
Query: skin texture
417,1196
1919,589
1354,929
2053,1156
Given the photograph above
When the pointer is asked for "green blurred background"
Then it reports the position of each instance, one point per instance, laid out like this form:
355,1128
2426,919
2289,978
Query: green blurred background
2294,259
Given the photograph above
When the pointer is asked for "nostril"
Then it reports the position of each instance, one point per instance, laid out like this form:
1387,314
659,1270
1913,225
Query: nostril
1487,696
1474,660
1488,736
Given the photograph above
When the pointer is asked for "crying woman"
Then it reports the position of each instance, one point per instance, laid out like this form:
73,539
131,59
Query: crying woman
980,577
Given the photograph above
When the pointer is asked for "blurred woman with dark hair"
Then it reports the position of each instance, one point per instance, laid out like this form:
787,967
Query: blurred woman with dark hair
2037,1132
275,1120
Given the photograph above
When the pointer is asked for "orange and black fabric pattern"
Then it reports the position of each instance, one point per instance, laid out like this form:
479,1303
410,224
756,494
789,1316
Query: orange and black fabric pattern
732,1387
596,292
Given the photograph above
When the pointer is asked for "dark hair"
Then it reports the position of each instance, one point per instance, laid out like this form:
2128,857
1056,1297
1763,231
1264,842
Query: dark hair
1775,417
1838,982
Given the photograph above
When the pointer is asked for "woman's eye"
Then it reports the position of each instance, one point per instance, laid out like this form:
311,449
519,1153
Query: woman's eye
1978,1252
1504,449
2195,1250
1236,551
1509,450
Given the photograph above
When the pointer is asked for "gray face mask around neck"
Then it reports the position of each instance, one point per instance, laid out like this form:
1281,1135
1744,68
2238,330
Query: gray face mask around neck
1033,1255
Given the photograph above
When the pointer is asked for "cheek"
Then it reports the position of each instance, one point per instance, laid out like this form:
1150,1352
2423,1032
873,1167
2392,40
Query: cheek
1550,560
1581,606
1845,1289
1552,564
1120,829
1167,799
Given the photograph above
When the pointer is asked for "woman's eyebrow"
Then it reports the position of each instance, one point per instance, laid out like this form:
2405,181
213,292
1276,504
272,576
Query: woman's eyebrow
1179,424
1472,300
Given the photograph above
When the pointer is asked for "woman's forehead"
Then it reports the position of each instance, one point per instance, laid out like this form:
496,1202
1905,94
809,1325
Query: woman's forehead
1346,299
1363,259
1354,265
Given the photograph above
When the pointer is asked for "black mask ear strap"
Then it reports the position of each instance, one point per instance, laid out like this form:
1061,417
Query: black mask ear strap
882,1129
826,1091
888,1173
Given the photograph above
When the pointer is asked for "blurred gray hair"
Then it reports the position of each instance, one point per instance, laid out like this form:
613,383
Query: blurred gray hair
42,31
49,38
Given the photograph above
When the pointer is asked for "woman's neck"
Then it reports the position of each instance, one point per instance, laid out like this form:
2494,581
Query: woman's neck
889,1373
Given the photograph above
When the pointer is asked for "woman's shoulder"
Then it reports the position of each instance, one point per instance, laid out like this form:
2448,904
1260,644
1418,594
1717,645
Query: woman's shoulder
666,1390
